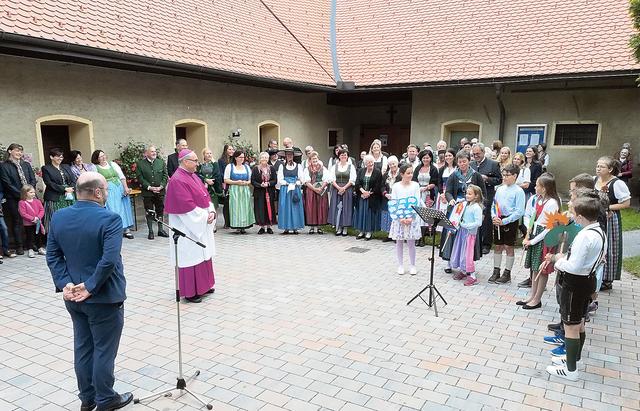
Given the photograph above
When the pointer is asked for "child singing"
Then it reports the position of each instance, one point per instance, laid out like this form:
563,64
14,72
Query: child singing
32,212
466,250
405,223
545,201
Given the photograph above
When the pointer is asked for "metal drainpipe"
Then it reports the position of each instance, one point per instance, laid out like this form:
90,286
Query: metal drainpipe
499,89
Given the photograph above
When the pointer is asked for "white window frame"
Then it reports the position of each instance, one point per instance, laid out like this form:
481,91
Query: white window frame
552,137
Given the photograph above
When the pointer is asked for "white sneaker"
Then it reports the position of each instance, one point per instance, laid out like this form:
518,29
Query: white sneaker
562,372
31,254
400,269
42,251
413,270
562,360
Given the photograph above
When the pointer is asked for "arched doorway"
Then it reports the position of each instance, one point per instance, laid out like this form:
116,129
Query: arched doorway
268,130
66,132
453,131
194,131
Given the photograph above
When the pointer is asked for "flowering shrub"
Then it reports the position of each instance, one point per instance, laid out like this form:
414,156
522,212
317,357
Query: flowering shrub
130,153
249,152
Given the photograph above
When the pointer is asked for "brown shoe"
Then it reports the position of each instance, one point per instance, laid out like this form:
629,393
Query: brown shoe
494,276
505,277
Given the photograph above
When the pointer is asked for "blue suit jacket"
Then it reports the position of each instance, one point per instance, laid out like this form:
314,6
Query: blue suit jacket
83,246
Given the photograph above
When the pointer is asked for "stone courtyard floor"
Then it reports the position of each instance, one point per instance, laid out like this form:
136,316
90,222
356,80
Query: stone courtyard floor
300,323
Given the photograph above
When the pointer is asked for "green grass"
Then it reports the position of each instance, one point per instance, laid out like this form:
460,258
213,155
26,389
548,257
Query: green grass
630,219
632,265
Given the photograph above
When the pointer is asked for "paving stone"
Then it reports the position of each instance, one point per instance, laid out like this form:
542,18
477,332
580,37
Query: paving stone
338,336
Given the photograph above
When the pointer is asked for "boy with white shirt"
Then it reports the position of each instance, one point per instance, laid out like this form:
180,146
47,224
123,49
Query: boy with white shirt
577,277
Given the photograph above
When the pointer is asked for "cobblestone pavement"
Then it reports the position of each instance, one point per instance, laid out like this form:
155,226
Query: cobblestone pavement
301,323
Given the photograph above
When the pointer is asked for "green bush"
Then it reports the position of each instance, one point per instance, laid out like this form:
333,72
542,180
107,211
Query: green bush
130,153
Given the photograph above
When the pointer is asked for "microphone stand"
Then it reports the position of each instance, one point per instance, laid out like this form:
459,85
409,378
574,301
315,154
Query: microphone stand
181,384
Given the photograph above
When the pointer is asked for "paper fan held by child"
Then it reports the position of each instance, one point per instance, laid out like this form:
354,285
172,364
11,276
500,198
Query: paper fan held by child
561,231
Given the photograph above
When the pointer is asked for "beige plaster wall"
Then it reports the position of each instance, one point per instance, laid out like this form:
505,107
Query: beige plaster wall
616,109
125,106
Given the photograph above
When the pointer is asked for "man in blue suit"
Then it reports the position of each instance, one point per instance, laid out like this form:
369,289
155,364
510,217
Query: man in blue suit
83,255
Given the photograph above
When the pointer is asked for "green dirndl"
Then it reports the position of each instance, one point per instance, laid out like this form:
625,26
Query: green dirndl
536,253
51,207
241,213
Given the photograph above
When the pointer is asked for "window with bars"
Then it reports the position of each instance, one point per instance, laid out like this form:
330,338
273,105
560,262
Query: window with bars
576,134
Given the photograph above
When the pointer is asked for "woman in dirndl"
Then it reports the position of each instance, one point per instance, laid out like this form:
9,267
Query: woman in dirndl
264,178
118,199
209,172
427,176
59,182
316,198
237,176
391,177
342,177
290,206
545,202
606,181
368,190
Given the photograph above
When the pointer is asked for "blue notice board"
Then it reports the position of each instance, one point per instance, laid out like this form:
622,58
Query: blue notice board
530,135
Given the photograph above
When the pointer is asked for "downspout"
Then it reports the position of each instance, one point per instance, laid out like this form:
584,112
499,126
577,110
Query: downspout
333,42
499,89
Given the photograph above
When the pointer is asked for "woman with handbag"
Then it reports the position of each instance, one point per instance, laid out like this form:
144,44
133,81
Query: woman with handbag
316,199
59,182
290,208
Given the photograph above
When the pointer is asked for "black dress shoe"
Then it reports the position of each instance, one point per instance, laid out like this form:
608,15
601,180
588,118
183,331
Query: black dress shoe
604,287
20,251
285,232
520,303
360,236
531,307
448,270
261,230
127,234
150,236
555,326
525,283
295,232
85,406
211,291
162,233
320,231
121,401
269,230
194,299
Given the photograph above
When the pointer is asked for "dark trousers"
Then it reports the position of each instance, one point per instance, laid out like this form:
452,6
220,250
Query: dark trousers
4,235
487,224
15,220
96,337
33,240
156,203
225,210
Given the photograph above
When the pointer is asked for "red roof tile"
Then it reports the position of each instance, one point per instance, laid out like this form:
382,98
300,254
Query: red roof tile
407,41
379,42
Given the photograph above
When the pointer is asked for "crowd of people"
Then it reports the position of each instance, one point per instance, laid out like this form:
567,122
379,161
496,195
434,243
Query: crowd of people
491,194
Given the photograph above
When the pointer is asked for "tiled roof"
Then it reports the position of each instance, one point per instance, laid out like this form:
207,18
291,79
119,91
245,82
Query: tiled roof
239,36
379,42
411,41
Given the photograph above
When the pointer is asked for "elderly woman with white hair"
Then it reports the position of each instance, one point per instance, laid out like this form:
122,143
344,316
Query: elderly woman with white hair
264,178
368,189
391,177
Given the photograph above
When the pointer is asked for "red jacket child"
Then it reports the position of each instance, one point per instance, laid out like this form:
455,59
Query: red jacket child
30,210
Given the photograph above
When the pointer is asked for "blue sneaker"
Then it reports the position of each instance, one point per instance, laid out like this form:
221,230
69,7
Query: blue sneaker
559,351
555,340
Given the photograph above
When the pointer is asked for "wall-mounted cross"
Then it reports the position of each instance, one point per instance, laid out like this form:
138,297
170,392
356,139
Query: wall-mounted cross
391,113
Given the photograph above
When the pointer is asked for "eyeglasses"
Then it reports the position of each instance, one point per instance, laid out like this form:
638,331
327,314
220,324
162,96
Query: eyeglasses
190,159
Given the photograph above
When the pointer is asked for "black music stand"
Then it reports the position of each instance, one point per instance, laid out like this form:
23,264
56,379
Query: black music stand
438,218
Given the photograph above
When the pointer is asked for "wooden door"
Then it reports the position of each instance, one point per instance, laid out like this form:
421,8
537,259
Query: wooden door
395,137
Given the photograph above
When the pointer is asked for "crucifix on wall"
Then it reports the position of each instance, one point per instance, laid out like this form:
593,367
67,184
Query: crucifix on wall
391,113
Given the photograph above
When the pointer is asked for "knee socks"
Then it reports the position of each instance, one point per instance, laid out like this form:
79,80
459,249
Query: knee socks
497,259
399,247
509,264
583,337
411,245
573,348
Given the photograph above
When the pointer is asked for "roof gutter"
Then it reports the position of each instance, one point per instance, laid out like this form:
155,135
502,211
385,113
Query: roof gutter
333,41
19,45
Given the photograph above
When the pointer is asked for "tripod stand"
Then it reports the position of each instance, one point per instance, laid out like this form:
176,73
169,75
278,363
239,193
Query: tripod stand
438,218
181,383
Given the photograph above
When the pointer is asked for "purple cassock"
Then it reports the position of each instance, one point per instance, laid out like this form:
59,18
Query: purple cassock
188,205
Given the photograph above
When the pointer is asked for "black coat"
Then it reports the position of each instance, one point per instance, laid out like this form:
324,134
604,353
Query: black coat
172,164
453,186
11,179
434,178
376,186
491,169
536,171
54,183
